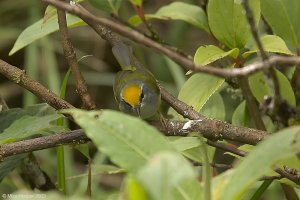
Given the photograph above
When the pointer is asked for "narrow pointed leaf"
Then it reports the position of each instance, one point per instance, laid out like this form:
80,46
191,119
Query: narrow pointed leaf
39,30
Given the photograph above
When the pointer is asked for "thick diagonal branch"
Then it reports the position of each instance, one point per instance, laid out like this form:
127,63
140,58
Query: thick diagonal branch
19,77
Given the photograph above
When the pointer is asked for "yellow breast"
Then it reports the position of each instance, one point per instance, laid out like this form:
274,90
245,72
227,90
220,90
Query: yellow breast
132,94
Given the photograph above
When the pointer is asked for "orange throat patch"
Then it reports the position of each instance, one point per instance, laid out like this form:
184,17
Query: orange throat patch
132,94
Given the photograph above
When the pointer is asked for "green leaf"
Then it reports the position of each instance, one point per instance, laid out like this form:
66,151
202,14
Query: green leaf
127,140
9,116
159,179
284,144
282,16
260,88
110,6
10,163
228,23
214,107
272,44
134,190
190,189
191,147
184,143
241,115
189,13
39,30
219,183
210,53
28,126
198,89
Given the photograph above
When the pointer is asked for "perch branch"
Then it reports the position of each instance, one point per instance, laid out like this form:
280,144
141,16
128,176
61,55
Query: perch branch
70,55
181,60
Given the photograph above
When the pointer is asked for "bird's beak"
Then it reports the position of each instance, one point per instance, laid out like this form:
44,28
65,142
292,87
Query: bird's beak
137,110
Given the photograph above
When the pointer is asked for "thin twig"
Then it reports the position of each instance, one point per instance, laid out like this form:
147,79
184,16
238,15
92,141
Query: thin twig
70,55
226,148
270,73
181,60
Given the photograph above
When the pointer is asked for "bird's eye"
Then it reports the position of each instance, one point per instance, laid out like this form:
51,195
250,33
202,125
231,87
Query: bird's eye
142,96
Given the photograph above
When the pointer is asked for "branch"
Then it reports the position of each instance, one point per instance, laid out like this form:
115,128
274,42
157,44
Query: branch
79,137
70,56
45,142
213,130
188,64
19,77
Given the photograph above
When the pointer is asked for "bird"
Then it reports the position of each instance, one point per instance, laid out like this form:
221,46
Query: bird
135,88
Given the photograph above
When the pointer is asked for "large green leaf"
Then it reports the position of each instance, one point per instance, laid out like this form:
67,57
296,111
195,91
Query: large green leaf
40,29
210,53
279,146
159,179
127,140
271,43
200,87
110,6
228,23
283,17
260,88
189,13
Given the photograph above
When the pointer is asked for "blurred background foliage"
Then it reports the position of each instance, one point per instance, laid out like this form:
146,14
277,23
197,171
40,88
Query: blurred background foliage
44,61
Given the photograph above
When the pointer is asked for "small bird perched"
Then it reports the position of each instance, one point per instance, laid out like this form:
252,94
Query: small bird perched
135,88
